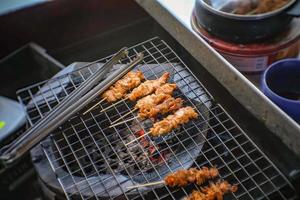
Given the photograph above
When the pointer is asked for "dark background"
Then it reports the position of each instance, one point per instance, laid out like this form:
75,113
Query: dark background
57,24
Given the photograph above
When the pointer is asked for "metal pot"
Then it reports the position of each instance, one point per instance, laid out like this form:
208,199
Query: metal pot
218,18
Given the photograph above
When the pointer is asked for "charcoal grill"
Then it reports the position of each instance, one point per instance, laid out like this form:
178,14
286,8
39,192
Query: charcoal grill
90,160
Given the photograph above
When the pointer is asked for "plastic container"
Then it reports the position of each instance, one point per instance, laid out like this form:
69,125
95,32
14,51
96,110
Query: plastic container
255,58
25,66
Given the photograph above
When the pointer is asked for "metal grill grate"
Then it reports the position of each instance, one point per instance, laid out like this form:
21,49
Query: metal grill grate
90,159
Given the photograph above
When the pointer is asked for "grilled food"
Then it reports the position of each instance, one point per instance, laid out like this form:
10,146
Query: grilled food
167,88
169,105
213,191
151,100
181,116
183,177
148,105
121,87
148,87
160,95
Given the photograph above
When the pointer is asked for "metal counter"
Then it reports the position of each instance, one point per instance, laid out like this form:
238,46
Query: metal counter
174,16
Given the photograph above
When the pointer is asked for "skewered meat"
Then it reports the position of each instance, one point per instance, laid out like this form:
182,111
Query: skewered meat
148,87
160,95
183,177
113,94
130,80
122,86
167,88
151,100
213,191
168,106
181,116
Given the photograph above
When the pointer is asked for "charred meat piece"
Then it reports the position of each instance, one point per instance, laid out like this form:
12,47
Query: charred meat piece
170,105
148,87
167,88
184,177
151,100
181,116
121,87
159,96
213,191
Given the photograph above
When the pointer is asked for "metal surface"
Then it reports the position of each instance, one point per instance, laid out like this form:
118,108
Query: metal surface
175,16
78,150
71,104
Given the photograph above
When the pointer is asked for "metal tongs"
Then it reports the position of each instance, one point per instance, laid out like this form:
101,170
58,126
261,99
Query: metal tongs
80,97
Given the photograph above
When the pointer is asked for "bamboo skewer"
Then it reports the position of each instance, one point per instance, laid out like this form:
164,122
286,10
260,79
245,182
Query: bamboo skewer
146,184
160,80
183,177
136,139
191,114
112,105
136,77
91,108
128,120
122,122
135,109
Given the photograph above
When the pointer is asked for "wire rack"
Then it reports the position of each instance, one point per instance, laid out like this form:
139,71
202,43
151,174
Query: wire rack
91,161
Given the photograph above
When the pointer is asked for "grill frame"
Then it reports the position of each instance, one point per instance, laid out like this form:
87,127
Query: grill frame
218,120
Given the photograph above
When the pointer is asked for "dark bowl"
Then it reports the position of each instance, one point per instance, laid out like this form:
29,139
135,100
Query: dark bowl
281,83
244,28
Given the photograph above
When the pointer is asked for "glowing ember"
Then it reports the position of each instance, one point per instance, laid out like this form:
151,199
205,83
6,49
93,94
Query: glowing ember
154,155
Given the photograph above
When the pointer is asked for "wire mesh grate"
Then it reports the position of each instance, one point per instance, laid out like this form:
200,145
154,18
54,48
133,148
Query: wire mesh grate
91,161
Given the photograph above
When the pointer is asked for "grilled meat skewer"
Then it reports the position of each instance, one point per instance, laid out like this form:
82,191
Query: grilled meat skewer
184,177
144,89
121,87
213,191
159,96
148,87
168,106
151,101
181,116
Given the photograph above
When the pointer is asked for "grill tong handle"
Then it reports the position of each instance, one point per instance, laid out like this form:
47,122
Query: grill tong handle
70,105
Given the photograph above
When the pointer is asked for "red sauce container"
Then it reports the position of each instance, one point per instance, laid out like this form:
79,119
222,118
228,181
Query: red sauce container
255,58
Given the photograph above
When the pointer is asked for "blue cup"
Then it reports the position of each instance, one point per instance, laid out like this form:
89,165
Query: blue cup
281,83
